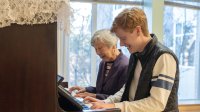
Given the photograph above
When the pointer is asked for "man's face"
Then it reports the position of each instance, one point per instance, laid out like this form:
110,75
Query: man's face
128,39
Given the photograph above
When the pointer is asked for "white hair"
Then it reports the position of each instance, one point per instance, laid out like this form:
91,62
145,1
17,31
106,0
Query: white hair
104,36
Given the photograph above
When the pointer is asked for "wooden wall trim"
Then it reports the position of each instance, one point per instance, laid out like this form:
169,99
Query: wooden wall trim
190,107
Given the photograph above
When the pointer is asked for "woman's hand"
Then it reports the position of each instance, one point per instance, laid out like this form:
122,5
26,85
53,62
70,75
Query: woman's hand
85,94
80,89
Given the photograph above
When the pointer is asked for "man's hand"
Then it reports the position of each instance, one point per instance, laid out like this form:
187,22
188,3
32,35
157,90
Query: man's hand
97,105
91,99
80,89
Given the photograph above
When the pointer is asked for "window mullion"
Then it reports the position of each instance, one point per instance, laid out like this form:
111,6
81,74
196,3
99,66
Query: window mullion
93,53
197,46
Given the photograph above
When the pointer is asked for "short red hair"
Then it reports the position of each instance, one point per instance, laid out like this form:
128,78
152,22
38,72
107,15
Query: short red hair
129,18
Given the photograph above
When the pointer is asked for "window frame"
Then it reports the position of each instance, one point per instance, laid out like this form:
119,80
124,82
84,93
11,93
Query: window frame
185,103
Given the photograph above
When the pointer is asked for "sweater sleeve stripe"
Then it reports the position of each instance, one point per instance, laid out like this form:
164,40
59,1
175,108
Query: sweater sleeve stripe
162,75
166,76
162,84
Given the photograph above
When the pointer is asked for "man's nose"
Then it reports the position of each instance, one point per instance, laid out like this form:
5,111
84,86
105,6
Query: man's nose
122,43
98,52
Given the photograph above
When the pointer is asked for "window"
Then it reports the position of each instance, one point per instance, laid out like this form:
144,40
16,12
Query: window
79,45
181,26
82,61
181,34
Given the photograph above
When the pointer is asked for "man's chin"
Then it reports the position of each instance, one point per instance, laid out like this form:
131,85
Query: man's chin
131,51
104,59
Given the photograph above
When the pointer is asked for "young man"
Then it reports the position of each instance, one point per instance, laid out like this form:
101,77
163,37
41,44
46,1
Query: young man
153,69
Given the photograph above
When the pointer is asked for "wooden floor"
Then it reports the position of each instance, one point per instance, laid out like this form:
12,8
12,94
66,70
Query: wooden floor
191,111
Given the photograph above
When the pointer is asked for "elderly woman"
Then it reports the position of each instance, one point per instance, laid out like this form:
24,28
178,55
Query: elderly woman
112,69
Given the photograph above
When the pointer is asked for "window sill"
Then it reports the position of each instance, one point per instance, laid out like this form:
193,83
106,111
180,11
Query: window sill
189,102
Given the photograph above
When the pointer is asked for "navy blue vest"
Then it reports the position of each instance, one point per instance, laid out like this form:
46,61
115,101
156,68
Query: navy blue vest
148,58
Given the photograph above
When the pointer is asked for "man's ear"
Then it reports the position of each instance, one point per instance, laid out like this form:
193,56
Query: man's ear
138,29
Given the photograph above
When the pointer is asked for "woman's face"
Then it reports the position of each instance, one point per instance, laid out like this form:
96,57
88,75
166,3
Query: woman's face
105,53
